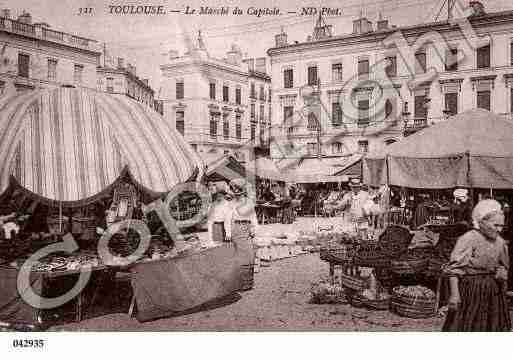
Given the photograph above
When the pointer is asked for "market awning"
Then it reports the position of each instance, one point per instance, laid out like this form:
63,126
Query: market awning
224,168
69,144
350,166
313,170
265,168
471,149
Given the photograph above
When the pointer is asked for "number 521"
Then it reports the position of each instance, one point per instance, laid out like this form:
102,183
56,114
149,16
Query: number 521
85,10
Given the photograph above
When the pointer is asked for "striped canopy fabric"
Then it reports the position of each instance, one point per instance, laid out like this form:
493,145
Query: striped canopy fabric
69,144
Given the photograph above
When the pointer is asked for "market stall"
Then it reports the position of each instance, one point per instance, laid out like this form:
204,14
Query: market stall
75,162
470,150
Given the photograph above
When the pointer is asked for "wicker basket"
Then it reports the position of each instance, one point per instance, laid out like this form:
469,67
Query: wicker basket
411,311
340,254
409,266
359,301
352,282
395,240
412,307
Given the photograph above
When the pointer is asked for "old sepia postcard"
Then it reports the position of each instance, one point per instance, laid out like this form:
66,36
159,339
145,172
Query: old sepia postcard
270,166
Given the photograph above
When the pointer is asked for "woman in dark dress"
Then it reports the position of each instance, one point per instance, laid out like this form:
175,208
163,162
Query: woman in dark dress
478,273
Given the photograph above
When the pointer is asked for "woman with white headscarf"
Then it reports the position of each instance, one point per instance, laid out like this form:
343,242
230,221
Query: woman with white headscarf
478,272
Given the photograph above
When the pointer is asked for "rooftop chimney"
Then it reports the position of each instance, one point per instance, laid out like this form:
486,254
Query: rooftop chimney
477,8
121,63
362,25
25,18
6,13
382,24
234,56
281,39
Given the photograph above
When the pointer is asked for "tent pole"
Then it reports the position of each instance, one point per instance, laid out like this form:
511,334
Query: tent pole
469,180
387,209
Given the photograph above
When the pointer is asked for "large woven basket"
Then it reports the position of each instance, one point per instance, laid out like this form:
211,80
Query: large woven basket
352,282
409,266
360,301
395,240
412,307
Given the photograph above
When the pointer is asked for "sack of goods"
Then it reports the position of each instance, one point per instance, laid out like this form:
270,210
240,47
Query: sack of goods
413,301
326,293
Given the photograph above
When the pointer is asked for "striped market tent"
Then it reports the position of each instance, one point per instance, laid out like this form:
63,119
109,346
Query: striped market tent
71,144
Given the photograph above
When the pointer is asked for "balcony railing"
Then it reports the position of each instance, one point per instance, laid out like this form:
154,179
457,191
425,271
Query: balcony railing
39,32
415,125
53,35
23,28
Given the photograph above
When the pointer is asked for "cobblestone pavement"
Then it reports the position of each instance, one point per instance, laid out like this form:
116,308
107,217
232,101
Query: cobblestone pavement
279,302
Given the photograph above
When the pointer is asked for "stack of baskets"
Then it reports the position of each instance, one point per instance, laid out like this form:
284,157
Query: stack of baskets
371,254
342,253
413,304
353,282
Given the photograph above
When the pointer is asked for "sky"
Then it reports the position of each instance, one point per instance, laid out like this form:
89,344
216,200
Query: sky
145,40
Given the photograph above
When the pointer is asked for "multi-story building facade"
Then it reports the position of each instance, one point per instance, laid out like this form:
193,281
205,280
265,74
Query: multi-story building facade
362,91
259,83
33,55
124,80
209,101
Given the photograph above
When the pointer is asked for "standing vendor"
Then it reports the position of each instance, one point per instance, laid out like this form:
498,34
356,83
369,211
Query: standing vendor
242,229
356,200
461,209
219,217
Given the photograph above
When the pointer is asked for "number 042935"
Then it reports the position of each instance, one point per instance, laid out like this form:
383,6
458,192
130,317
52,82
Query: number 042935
28,343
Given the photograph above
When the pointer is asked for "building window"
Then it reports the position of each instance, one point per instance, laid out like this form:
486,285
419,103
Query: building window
391,69
52,69
451,103
77,75
312,75
483,99
288,79
363,146
336,114
180,122
389,108
363,113
238,127
483,57
262,115
262,94
252,92
337,147
288,116
179,90
420,63
363,67
194,147
226,127
213,126
226,94
313,123
336,72
451,60
110,84
238,96
269,95
212,91
420,107
311,147
253,131
511,53
252,112
262,133
23,65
